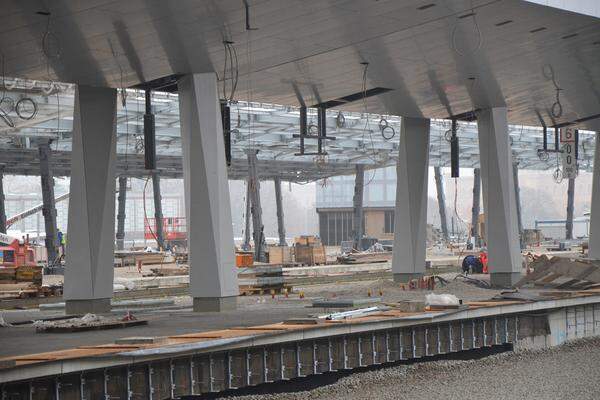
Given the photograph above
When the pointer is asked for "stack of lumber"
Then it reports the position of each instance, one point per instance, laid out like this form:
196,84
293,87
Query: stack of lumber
131,257
365,258
280,255
563,273
308,250
261,279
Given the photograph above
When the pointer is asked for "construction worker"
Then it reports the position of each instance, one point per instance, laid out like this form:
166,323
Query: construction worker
61,241
483,257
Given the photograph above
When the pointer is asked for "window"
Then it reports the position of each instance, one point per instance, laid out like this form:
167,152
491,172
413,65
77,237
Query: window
389,222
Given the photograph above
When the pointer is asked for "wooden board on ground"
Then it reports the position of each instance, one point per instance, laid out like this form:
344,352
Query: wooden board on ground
562,273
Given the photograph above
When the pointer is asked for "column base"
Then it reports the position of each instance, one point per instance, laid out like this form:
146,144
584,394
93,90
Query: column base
405,277
91,306
215,304
504,279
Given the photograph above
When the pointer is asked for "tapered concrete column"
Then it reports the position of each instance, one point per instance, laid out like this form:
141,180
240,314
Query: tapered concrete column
257,222
570,209
89,267
504,254
247,216
475,209
594,242
49,206
213,275
410,223
122,201
158,214
357,202
2,205
518,204
441,197
279,205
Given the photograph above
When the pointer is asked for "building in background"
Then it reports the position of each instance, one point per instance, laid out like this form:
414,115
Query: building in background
334,206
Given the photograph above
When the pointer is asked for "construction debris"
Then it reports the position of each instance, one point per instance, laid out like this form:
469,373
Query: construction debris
445,300
344,303
261,279
86,323
562,273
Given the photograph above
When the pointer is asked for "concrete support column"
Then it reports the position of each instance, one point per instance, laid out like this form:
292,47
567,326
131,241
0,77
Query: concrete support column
213,275
122,201
158,215
279,205
518,203
501,223
357,201
410,223
49,206
594,241
247,221
89,268
570,209
256,208
475,209
441,197
2,204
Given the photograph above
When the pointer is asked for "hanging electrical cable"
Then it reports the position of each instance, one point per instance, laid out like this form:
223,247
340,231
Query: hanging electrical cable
557,109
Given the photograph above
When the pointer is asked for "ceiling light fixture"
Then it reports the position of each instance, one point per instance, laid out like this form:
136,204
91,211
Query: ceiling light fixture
467,15
508,21
570,36
426,6
542,28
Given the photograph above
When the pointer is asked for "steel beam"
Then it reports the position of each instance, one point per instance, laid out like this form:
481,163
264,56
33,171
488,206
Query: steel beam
570,208
280,220
122,199
518,202
2,205
441,197
357,201
158,215
247,218
257,224
475,210
49,206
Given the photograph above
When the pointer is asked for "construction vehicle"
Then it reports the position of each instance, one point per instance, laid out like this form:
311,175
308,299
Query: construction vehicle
174,230
14,253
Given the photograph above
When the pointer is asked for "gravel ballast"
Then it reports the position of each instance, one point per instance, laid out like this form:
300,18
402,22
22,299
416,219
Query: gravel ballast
571,371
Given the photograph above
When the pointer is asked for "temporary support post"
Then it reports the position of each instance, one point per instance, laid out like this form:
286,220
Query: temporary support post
279,204
410,223
89,270
476,208
502,231
49,207
357,200
211,257
158,215
570,208
441,197
2,199
257,224
122,199
594,242
247,218
518,202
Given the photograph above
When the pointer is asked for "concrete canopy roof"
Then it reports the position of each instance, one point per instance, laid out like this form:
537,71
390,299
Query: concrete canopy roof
440,58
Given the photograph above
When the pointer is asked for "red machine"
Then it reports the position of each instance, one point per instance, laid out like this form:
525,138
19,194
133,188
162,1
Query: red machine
174,230
13,253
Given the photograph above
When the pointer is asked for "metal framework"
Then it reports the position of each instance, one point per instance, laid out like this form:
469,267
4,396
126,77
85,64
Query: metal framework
265,127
